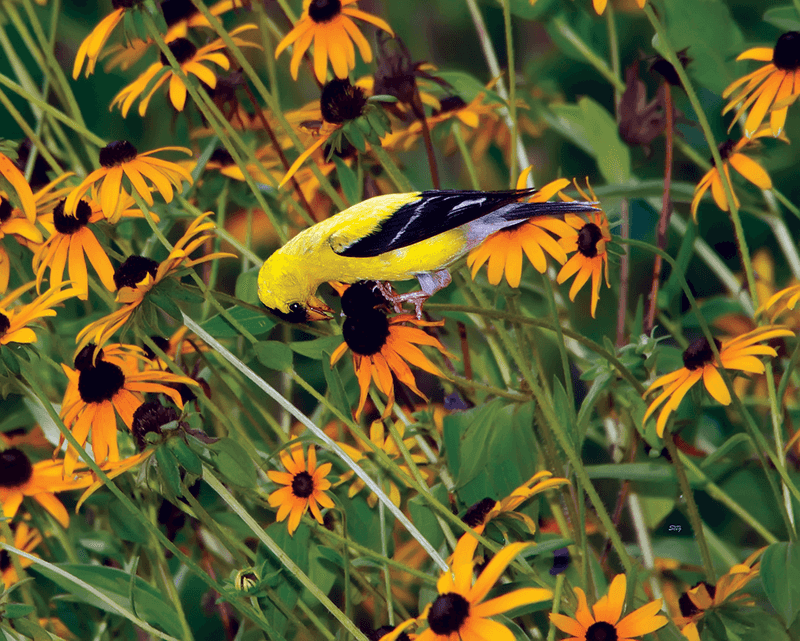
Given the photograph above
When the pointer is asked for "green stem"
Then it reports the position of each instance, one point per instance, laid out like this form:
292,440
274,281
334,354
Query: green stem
462,148
512,91
397,177
562,348
694,513
591,57
613,46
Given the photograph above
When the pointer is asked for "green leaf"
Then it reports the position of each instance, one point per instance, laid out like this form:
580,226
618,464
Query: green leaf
188,460
169,473
589,126
255,322
14,610
530,11
273,354
785,18
355,136
247,286
475,430
30,629
780,576
335,386
163,302
234,462
347,179
124,524
425,518
653,472
707,28
467,86
151,605
318,347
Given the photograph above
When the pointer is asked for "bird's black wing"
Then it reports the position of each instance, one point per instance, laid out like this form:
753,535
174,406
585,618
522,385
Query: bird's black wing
435,212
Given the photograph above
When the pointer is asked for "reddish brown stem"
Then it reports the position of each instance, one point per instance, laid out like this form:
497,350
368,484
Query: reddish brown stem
666,211
419,112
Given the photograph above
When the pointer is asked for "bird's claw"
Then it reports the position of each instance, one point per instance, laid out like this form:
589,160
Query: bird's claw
397,300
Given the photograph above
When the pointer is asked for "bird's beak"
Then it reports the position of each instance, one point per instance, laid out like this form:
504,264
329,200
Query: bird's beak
317,311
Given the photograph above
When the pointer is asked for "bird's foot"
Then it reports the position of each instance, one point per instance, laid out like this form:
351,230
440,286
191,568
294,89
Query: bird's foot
396,300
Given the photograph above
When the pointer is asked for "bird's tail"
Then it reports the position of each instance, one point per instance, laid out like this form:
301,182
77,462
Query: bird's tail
522,210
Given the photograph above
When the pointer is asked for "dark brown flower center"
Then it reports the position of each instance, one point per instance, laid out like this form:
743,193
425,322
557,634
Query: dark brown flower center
725,150
117,152
367,332
182,49
448,613
65,224
687,606
4,324
378,634
324,10
162,344
176,10
302,485
588,237
5,560
699,354
99,382
666,70
786,55
361,297
148,418
601,631
451,103
15,468
341,101
86,357
222,156
561,560
477,512
5,209
133,271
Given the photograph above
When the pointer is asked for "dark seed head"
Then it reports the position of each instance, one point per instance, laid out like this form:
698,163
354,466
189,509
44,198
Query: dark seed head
125,4
65,224
601,631
588,237
366,333
725,150
5,209
15,468
699,354
162,344
222,156
4,324
341,101
451,103
182,49
448,613
5,560
324,10
117,152
176,10
100,382
786,55
376,635
667,71
561,561
477,512
361,297
302,485
149,417
133,271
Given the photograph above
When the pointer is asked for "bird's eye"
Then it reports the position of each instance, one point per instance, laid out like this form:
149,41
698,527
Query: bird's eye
295,308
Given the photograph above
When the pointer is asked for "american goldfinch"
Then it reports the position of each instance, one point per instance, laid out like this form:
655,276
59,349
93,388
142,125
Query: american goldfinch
390,238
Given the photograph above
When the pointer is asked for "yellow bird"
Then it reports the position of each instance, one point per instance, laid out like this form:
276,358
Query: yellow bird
390,238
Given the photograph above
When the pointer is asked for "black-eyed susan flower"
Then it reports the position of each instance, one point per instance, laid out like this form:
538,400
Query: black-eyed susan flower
588,239
703,597
26,539
138,275
14,319
92,45
504,249
771,88
459,612
736,354
383,347
303,488
106,384
479,514
383,439
71,243
603,620
731,154
329,25
10,172
120,158
191,59
19,478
